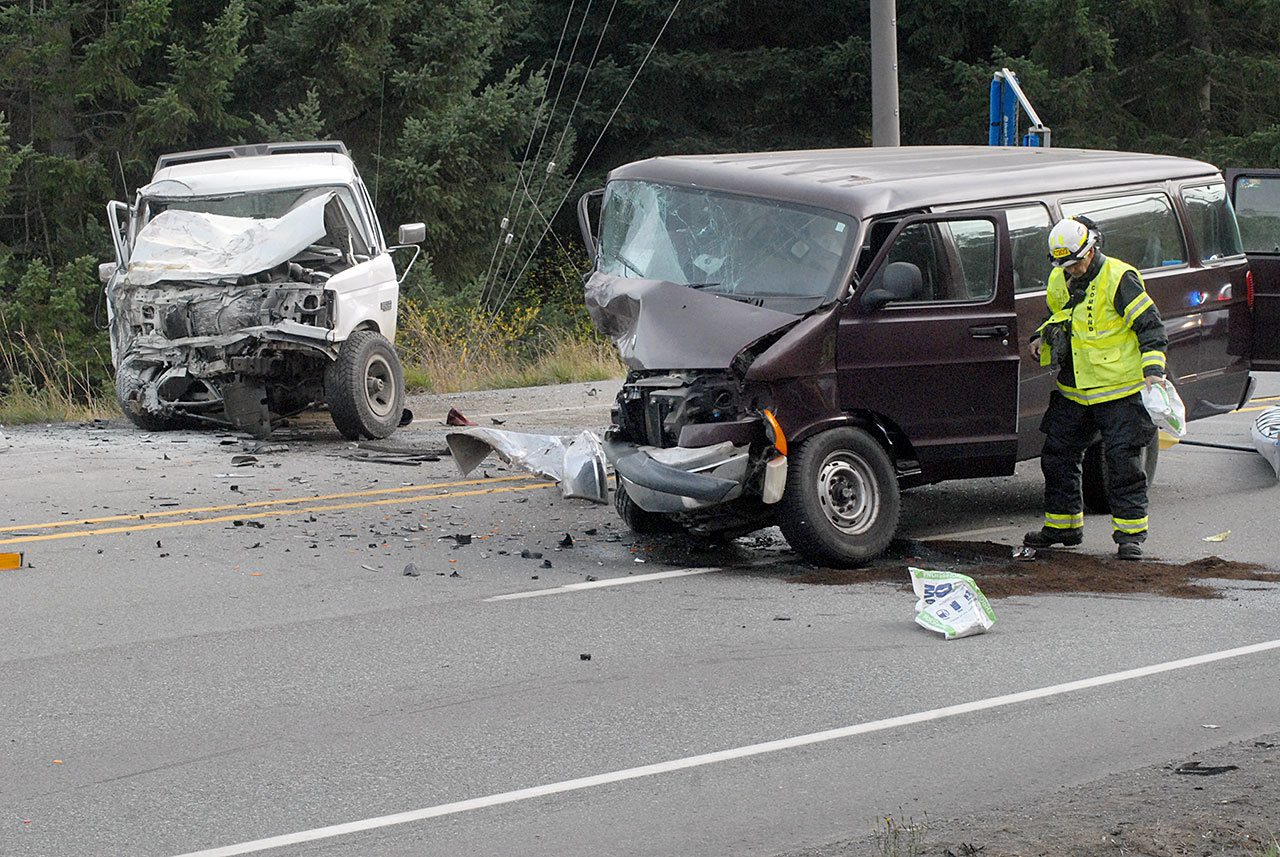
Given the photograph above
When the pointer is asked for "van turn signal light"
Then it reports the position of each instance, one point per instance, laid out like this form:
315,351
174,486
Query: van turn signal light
774,431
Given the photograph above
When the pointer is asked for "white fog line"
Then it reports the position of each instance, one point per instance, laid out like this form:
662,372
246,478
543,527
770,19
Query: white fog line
598,584
725,755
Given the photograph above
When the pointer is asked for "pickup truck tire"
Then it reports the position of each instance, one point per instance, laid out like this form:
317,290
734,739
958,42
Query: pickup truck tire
1094,475
365,387
841,503
640,521
128,385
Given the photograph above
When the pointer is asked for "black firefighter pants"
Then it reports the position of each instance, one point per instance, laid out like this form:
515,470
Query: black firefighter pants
1069,428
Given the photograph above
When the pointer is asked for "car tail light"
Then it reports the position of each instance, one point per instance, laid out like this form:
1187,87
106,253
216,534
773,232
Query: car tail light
1248,288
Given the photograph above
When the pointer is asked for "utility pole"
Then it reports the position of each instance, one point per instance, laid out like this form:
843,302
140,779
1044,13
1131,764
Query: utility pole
884,73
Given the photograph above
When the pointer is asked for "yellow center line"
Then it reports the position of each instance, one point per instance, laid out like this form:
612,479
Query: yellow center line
1257,408
259,504
275,513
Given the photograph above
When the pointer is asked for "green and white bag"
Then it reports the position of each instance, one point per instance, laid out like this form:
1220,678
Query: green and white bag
950,603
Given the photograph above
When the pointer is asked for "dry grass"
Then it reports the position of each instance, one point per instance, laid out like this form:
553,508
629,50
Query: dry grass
448,351
40,384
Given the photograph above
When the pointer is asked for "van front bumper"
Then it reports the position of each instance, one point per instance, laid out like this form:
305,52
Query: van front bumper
679,479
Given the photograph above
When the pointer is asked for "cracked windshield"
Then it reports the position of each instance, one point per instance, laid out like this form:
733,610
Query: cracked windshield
750,249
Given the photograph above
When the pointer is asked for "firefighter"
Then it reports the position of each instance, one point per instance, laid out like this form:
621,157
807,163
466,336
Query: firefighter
1108,342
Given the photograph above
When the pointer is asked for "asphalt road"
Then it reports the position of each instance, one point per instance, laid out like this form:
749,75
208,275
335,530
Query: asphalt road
202,658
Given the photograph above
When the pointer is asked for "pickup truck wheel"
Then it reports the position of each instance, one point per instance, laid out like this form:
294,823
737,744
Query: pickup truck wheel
129,384
841,503
640,521
1094,475
365,387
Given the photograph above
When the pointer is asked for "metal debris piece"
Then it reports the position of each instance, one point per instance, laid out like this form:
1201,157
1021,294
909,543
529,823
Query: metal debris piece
1204,770
411,570
577,463
243,460
1023,553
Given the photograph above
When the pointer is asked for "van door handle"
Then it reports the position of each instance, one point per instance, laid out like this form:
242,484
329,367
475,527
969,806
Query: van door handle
989,331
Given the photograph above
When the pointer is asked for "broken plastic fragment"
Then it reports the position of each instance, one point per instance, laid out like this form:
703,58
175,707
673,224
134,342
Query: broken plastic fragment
1220,537
455,417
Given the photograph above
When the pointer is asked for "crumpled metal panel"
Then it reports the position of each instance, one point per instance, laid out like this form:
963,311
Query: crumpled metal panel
197,247
577,463
661,325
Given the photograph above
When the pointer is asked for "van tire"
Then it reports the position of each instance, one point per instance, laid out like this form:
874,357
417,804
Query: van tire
640,521
365,387
841,504
1093,481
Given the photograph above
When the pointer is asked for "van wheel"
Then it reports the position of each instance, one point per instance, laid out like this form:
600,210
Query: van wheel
1094,475
640,521
365,387
841,503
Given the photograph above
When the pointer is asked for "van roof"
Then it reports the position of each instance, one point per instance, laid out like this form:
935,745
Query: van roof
870,181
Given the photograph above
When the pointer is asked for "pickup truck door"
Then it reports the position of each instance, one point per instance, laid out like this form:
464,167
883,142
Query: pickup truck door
1256,197
929,340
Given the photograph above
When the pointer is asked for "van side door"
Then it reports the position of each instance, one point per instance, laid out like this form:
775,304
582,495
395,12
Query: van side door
929,341
1256,197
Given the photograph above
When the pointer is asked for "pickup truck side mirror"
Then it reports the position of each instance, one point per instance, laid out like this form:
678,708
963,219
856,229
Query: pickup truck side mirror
412,233
106,271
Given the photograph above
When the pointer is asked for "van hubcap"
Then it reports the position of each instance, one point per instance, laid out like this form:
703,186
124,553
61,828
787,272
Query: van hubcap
847,493
379,385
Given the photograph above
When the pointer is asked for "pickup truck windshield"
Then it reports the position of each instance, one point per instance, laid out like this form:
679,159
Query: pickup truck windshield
746,248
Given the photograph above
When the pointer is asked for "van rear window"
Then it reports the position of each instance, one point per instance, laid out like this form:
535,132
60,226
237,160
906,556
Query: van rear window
1140,229
1212,221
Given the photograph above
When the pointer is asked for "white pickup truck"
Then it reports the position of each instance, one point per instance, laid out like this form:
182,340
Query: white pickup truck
251,282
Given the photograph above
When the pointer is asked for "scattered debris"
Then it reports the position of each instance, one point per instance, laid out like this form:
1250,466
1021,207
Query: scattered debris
567,541
528,554
1204,770
243,460
1220,537
455,574
459,539
577,463
1209,726
546,563
10,561
585,656
457,418
263,447
410,570
782,618
368,568
591,578
497,422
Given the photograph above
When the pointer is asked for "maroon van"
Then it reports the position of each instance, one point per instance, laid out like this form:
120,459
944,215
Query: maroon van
807,333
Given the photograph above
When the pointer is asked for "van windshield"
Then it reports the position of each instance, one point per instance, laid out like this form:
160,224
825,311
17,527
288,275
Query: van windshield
745,248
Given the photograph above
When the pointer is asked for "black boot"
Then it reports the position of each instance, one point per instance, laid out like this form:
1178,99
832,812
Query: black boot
1129,550
1050,536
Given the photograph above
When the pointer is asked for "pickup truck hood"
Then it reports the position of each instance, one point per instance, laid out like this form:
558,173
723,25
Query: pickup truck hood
662,325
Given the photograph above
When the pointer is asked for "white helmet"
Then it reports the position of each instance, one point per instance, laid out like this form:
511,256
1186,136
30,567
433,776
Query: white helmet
1070,241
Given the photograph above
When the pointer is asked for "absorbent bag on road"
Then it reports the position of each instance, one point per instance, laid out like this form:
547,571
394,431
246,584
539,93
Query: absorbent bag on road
1165,407
950,603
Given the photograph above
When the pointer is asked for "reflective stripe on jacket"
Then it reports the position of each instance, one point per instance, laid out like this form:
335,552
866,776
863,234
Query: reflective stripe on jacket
1105,355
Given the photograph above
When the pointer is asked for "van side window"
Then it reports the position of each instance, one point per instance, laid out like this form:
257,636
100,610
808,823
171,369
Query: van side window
1212,221
975,243
1140,229
1029,227
1258,210
923,272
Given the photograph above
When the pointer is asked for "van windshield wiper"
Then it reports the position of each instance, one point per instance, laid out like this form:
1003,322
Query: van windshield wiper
700,285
